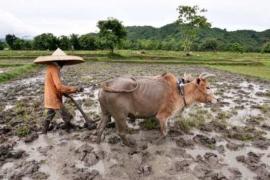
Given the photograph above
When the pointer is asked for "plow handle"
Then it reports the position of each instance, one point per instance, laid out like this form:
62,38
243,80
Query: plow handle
87,120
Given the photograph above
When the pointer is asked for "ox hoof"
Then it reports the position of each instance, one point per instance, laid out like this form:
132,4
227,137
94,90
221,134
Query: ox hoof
98,141
160,140
129,142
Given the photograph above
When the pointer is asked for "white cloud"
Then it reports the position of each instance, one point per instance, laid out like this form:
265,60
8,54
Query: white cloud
81,16
10,24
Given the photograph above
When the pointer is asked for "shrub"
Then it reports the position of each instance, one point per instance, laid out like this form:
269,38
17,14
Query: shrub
209,45
88,42
236,47
22,131
266,48
2,45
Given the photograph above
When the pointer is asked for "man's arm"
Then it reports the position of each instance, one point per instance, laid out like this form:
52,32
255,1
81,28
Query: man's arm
58,84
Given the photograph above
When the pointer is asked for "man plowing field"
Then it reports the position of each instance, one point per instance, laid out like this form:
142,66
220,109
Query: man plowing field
54,89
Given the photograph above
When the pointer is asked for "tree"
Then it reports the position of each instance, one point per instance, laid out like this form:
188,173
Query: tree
88,42
74,40
10,40
209,45
27,44
45,41
64,43
190,20
236,47
18,44
2,45
111,32
266,48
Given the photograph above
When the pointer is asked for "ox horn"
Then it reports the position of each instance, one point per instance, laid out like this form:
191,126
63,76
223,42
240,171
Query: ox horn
202,74
206,75
185,75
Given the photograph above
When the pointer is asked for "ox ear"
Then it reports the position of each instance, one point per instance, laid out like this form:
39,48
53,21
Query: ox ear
198,81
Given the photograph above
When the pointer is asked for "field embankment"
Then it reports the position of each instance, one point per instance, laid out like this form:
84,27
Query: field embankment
15,63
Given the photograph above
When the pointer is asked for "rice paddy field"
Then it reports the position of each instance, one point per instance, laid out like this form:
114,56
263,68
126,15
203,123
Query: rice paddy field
252,64
228,140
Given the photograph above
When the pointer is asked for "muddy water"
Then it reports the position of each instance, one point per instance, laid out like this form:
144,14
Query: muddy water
197,154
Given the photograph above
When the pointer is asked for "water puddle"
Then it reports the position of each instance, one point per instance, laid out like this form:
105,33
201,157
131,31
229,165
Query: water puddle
54,151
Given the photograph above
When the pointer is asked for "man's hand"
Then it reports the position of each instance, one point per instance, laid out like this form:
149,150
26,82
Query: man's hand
80,89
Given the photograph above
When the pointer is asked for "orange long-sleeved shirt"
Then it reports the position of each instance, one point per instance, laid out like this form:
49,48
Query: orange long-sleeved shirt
54,89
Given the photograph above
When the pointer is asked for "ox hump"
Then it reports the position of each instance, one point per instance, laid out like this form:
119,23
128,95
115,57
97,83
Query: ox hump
169,77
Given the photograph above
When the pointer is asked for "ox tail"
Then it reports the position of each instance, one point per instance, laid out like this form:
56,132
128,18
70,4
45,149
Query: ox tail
106,88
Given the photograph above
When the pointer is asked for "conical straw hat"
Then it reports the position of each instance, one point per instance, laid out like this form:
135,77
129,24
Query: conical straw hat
59,56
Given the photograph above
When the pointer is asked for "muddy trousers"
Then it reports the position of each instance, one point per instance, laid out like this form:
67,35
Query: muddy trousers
50,113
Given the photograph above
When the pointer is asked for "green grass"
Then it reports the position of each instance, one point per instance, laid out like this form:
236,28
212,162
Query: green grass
257,71
17,72
252,64
10,65
22,131
150,123
143,54
264,108
244,133
195,119
185,62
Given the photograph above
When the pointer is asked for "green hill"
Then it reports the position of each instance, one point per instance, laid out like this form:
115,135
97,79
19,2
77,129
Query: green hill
250,40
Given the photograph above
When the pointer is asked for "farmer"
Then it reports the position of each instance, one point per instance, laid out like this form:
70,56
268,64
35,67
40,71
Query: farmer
54,89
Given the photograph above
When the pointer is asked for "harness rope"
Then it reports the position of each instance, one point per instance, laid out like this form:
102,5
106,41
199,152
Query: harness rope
181,88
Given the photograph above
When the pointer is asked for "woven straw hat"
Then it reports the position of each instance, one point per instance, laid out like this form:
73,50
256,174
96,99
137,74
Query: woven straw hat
59,56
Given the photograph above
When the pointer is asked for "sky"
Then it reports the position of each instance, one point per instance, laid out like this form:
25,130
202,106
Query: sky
63,17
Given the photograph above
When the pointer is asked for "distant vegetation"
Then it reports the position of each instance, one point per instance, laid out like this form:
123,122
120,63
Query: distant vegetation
169,37
149,38
110,36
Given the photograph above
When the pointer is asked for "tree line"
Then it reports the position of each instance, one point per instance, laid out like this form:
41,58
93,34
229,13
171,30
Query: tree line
111,33
47,41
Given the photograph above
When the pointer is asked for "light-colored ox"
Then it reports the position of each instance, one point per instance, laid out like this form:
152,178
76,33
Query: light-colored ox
151,96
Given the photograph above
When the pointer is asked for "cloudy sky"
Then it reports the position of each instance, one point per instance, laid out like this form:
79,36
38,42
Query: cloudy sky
32,17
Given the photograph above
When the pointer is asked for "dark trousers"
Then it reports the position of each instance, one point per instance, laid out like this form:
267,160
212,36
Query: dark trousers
50,113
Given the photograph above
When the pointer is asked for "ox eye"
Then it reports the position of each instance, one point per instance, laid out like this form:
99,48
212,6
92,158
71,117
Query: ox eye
207,87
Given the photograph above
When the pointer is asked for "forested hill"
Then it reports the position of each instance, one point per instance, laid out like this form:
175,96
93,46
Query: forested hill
250,40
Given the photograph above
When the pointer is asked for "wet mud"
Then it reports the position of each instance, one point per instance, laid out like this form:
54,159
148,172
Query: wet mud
228,140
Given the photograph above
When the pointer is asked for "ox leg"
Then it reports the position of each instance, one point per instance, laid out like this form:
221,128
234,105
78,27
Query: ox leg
163,122
104,119
122,128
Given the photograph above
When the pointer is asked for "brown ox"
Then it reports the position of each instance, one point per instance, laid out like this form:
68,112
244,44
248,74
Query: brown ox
143,97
